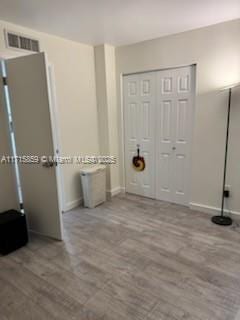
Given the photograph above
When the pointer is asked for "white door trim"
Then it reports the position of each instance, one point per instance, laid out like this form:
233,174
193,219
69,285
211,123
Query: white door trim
122,136
160,69
194,97
56,131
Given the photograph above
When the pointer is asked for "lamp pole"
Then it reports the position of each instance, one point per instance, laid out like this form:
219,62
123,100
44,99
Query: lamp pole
223,220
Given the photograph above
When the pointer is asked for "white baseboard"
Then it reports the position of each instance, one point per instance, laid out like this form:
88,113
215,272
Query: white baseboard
76,203
73,204
115,191
123,189
43,235
209,209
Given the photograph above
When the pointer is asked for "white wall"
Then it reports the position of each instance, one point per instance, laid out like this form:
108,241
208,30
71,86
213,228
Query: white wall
107,111
216,51
76,99
101,90
113,115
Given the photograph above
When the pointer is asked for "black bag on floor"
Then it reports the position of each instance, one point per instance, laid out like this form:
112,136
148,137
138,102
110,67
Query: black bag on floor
13,231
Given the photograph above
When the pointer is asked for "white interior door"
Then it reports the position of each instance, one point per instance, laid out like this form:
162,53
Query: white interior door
29,99
158,108
139,102
175,92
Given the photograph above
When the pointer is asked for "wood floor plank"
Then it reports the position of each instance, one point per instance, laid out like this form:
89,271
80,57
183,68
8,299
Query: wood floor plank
54,301
78,288
119,302
131,258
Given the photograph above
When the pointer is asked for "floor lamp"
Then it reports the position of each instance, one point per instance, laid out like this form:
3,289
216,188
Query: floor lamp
221,219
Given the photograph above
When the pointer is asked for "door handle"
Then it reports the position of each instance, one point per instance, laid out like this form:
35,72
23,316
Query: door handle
49,164
173,148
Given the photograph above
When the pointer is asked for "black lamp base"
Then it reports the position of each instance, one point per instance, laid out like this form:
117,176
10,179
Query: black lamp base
221,220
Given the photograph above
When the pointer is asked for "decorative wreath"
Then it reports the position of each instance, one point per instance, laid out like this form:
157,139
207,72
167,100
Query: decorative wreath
138,162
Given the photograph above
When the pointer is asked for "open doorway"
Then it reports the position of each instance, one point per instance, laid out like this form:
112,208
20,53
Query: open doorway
11,134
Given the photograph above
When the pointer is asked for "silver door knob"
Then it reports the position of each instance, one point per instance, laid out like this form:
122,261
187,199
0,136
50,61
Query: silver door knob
49,164
174,148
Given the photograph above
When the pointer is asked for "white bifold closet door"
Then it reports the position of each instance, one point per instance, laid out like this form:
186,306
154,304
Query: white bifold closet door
140,100
174,117
166,129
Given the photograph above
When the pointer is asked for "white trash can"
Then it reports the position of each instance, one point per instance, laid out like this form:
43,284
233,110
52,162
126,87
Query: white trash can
93,185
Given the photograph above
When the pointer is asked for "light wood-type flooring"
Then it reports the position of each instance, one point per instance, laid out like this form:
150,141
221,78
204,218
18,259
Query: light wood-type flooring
131,258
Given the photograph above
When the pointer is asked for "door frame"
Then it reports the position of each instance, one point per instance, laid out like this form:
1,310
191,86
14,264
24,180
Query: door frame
122,119
55,137
53,105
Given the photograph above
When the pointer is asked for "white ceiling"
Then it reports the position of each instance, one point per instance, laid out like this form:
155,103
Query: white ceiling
117,22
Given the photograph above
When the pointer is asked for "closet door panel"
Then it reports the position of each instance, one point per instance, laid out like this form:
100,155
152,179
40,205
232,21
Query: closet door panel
183,124
147,132
139,113
174,117
165,133
131,120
